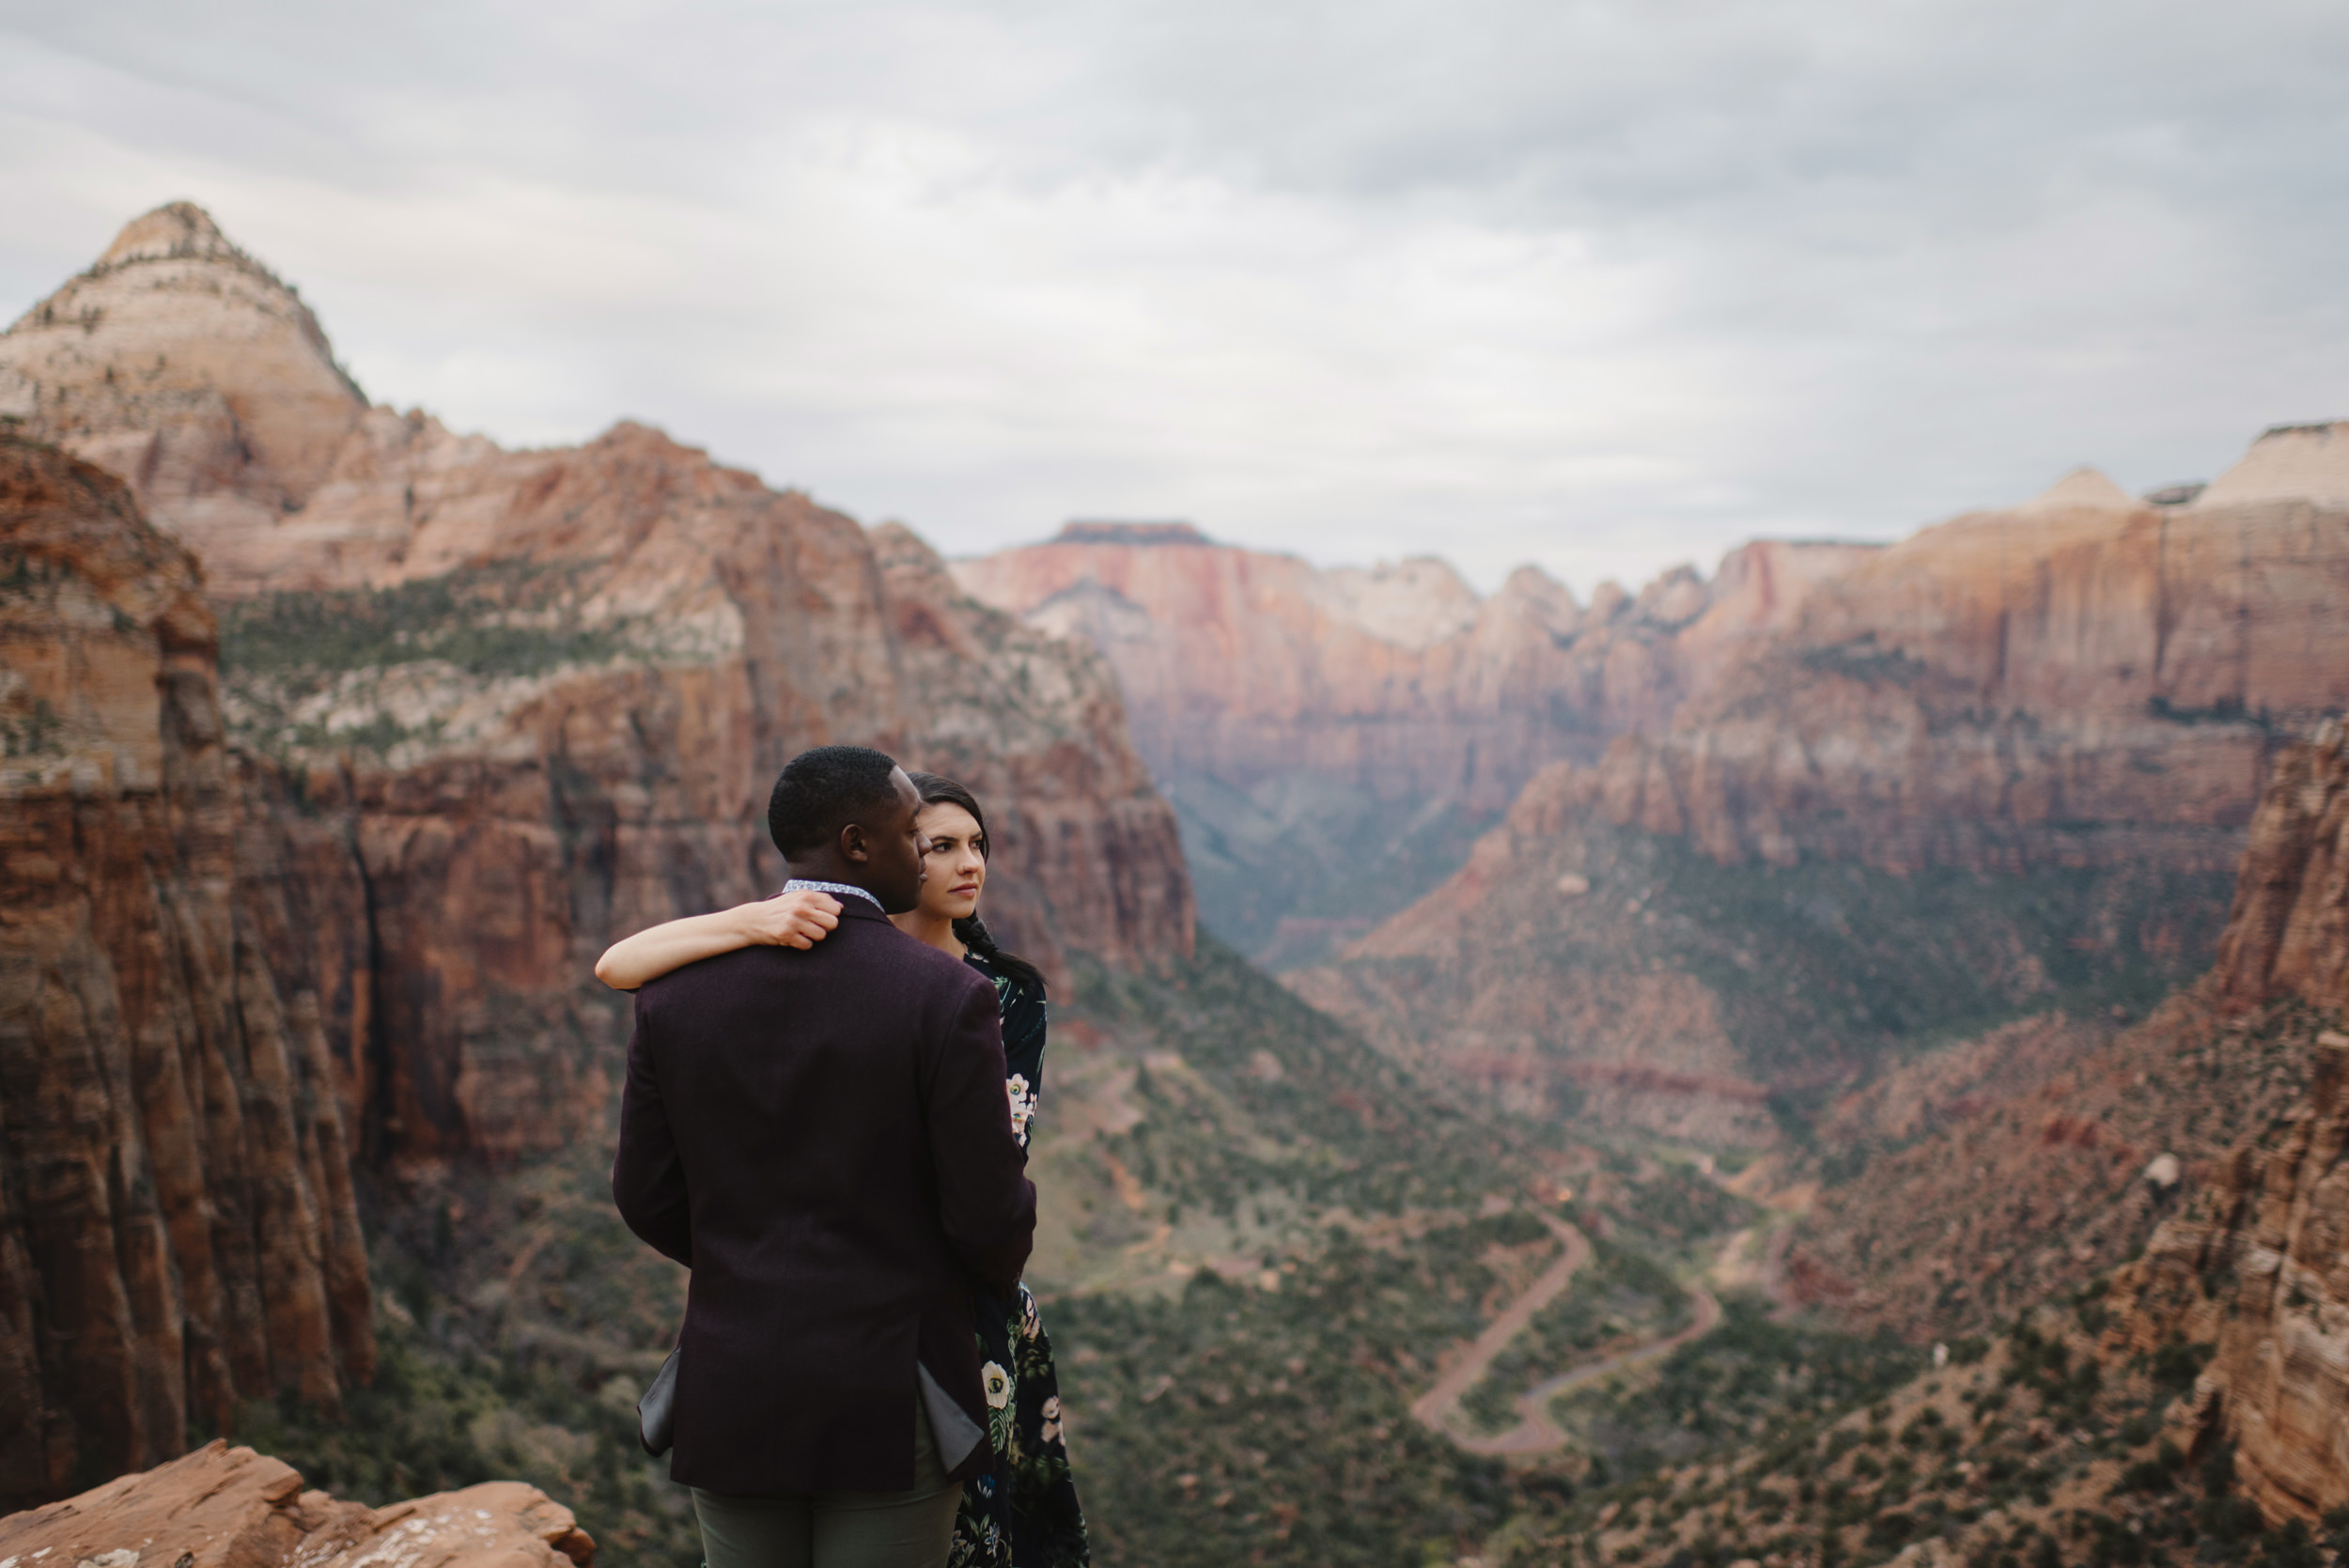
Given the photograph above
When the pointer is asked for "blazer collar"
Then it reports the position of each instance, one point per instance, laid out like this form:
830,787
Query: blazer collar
855,903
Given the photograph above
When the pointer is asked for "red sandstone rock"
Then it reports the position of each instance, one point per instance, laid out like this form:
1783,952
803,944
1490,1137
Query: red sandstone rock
1246,665
177,1228
2289,930
2080,681
2257,1268
221,1507
641,638
2069,681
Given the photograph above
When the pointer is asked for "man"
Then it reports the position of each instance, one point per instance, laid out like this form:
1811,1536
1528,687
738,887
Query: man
822,1136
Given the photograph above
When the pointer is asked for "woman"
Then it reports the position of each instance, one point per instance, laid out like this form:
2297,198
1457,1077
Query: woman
1022,1511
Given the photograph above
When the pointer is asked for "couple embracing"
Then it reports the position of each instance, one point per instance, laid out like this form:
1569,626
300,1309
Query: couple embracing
826,1119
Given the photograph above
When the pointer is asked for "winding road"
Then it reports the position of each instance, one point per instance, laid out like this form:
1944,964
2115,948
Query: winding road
1535,1433
1431,1407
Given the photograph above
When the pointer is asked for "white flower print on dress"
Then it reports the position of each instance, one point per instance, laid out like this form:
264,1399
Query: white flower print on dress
998,1385
1022,1105
1052,1420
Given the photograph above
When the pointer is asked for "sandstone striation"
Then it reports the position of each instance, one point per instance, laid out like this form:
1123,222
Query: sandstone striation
221,1507
521,702
2054,685
2289,934
186,367
1247,666
176,1225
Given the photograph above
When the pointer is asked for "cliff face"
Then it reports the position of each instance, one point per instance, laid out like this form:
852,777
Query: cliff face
2256,1267
541,695
2049,725
177,1227
1579,965
2077,680
1246,666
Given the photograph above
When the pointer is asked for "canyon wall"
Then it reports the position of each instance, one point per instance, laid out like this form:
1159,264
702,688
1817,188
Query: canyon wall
1246,666
176,1225
2079,678
538,696
2256,1268
2031,737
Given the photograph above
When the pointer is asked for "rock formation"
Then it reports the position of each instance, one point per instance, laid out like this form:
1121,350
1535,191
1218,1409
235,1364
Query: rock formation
184,365
2257,1268
223,1506
2290,463
2082,693
2062,683
1244,666
478,713
2289,934
540,695
176,1225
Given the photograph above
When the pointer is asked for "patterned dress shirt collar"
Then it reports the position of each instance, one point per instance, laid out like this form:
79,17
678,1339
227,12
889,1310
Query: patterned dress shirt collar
838,890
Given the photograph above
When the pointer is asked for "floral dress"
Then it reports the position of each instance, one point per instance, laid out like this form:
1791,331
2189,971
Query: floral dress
1021,1511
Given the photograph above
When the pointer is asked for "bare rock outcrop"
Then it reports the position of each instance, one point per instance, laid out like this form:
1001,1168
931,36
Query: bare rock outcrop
525,701
2289,933
2291,462
221,1507
2256,1267
1245,665
176,1226
186,367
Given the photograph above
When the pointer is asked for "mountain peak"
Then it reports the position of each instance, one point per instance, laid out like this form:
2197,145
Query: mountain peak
2082,490
183,364
174,229
2289,462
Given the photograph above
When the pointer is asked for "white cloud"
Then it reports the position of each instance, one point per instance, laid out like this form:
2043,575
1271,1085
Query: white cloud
1608,285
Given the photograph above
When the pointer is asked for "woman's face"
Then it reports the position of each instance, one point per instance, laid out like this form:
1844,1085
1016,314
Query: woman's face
951,844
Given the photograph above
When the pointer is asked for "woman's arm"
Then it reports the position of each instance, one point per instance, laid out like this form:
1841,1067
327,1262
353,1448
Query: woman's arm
1023,1057
800,919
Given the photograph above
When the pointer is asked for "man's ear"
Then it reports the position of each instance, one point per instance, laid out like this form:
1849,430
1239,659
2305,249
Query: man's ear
854,845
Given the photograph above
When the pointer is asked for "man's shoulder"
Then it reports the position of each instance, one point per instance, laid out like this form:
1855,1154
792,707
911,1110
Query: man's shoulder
933,968
857,947
715,975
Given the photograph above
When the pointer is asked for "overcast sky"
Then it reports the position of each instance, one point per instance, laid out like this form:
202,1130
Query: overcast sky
1602,283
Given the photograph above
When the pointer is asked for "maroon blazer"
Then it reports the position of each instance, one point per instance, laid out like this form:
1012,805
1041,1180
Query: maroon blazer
822,1136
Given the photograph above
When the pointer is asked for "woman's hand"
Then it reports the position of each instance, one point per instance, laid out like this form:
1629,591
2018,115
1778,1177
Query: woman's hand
799,918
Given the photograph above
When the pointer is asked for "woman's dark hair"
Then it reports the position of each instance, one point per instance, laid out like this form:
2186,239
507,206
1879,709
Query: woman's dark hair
938,790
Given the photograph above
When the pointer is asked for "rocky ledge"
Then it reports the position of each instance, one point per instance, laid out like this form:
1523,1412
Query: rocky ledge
223,1506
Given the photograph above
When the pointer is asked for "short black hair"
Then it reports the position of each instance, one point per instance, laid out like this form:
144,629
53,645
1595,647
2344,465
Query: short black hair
822,791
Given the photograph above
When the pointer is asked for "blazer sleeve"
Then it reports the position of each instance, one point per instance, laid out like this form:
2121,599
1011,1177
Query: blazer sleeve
985,1198
647,1177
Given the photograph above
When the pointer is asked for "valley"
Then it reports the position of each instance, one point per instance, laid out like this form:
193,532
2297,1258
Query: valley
1834,1061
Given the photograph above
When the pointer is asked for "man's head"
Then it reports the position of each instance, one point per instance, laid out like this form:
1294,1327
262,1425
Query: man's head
845,813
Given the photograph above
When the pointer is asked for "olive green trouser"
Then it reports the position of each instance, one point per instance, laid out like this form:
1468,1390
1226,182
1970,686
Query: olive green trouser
838,1530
